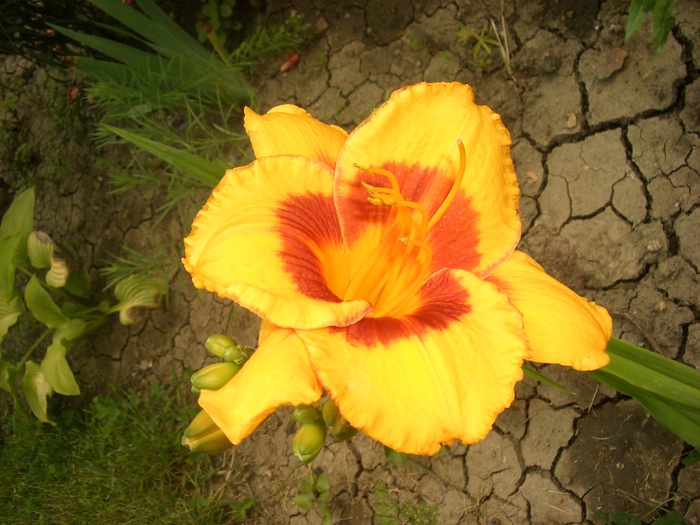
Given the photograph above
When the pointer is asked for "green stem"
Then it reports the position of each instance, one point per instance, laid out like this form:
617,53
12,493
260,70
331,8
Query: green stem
33,347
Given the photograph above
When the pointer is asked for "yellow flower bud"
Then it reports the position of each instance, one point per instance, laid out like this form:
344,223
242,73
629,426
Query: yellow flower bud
305,414
309,440
337,424
203,435
217,343
214,376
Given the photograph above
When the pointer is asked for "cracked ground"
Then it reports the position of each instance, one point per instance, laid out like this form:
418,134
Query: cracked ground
604,143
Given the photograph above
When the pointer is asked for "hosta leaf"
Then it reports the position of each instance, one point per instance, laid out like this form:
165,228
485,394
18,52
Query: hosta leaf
8,247
78,282
19,218
58,275
56,370
137,291
10,310
42,306
36,389
40,248
5,376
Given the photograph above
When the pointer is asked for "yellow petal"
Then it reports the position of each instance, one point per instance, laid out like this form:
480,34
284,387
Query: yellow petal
442,373
268,238
289,130
414,136
562,327
277,374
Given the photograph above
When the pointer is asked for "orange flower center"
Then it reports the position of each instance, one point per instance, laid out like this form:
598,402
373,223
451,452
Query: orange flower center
392,275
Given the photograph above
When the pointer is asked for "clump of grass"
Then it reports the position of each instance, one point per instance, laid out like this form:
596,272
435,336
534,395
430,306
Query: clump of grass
120,461
390,512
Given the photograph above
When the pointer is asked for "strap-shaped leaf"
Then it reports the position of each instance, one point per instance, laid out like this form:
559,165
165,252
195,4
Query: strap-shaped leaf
682,420
201,169
56,370
539,376
137,291
654,373
19,218
36,389
41,305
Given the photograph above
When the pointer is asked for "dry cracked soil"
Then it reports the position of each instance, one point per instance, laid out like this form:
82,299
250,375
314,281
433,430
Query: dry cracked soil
604,143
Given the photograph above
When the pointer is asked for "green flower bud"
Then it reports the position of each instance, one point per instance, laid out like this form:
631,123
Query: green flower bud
305,414
337,424
217,343
309,441
214,376
233,354
203,435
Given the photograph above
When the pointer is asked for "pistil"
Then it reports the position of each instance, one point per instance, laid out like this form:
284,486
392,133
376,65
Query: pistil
393,274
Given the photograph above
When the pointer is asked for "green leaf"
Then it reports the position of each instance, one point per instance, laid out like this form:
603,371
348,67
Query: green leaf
56,370
671,518
304,500
637,13
42,306
662,15
10,310
8,248
40,248
78,282
5,369
535,374
137,291
36,390
654,373
682,420
398,459
197,167
323,484
691,458
19,218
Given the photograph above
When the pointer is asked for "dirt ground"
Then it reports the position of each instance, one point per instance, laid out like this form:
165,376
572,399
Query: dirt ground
604,143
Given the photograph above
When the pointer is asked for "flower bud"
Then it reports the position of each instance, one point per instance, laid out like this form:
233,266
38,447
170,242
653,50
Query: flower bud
309,440
214,376
233,354
203,435
337,424
217,343
305,414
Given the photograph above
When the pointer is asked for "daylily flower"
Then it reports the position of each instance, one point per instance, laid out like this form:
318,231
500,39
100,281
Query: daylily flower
382,264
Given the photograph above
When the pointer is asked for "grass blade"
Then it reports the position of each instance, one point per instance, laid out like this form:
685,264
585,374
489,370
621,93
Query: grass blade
206,172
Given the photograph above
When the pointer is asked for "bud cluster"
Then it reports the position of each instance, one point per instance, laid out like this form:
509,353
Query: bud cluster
316,420
203,435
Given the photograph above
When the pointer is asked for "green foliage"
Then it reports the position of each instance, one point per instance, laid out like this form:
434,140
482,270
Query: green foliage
389,512
25,30
118,462
315,488
483,41
662,12
70,319
668,390
623,518
179,64
218,19
398,459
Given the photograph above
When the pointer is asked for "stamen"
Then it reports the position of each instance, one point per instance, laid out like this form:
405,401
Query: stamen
456,185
